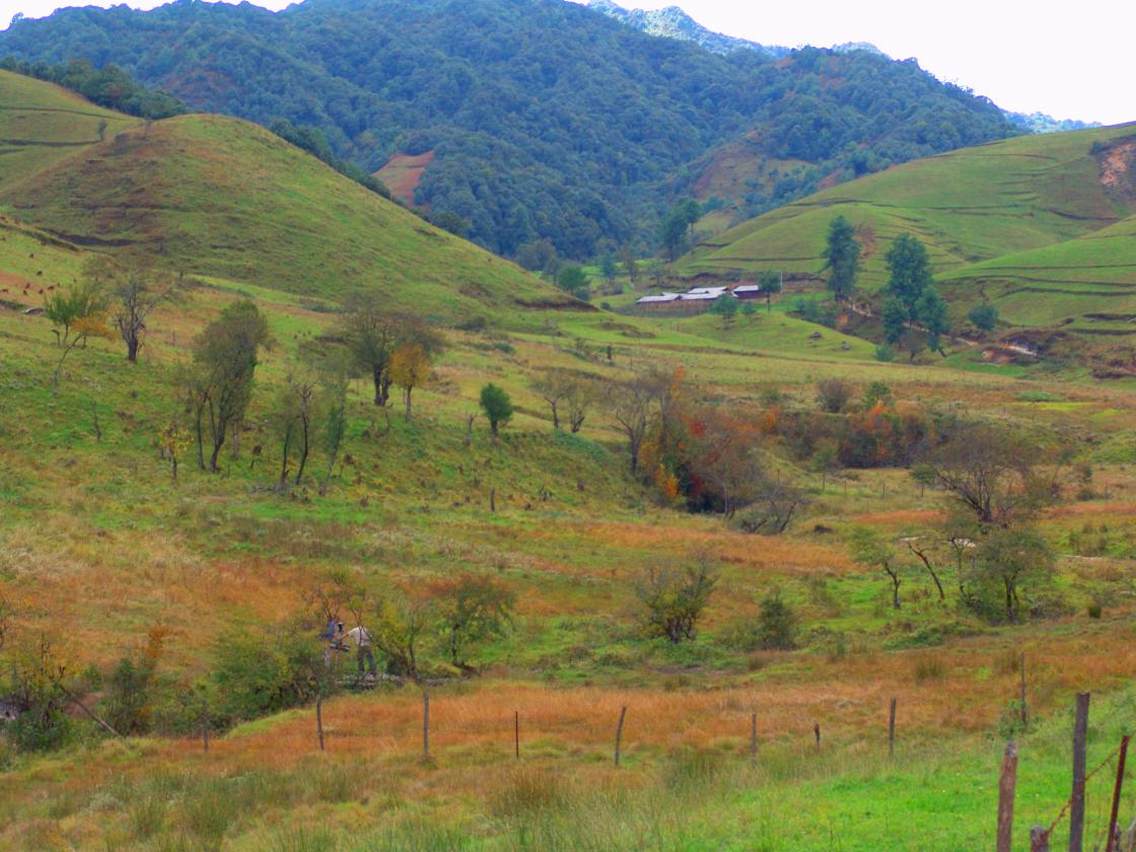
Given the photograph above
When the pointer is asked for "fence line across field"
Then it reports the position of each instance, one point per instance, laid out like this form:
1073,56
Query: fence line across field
1039,837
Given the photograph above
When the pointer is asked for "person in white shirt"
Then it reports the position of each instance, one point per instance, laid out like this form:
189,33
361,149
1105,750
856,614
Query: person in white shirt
361,639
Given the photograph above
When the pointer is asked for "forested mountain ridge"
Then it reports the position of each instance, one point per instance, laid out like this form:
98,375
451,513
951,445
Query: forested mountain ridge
546,119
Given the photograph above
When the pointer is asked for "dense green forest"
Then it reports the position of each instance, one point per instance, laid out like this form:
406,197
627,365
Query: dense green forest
548,120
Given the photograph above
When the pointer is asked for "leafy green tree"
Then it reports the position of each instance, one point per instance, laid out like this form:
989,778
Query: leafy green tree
931,311
984,317
676,227
608,268
574,280
630,264
726,309
537,255
497,406
77,314
842,251
371,333
225,357
473,610
894,320
293,416
1010,558
748,310
909,272
770,283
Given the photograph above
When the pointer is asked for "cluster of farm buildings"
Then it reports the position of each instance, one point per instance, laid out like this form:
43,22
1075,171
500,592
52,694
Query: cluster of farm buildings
700,298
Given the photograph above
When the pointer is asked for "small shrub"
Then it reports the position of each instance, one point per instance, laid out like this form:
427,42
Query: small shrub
885,354
776,624
833,395
673,601
259,673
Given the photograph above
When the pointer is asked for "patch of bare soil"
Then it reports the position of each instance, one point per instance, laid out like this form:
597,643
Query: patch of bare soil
403,172
1117,162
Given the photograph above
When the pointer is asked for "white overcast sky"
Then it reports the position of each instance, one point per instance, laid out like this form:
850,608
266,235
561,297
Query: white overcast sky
1027,55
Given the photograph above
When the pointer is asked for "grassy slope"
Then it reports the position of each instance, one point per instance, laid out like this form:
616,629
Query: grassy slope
226,199
98,545
95,537
971,207
41,124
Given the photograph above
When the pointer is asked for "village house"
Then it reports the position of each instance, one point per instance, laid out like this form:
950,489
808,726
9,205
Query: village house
698,299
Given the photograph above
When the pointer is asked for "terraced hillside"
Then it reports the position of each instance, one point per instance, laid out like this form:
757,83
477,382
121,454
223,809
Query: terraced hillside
224,199
1010,219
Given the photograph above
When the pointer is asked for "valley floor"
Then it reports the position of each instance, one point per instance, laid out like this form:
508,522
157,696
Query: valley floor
98,547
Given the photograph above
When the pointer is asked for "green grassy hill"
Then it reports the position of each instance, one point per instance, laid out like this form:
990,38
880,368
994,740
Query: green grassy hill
102,549
223,199
1043,213
41,124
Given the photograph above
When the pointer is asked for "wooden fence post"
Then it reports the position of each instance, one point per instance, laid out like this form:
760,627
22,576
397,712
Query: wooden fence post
492,499
425,725
205,734
1039,839
319,719
1112,844
619,733
1006,786
517,733
891,729
1022,697
1077,801
753,737
816,733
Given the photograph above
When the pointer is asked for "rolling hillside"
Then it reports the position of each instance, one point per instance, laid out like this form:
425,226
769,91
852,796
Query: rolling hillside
1009,220
224,199
547,120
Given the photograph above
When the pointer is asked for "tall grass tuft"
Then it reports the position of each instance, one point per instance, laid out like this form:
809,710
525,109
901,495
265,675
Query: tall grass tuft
528,790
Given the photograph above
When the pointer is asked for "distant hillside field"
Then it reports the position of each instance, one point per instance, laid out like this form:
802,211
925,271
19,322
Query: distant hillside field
547,120
222,198
1041,215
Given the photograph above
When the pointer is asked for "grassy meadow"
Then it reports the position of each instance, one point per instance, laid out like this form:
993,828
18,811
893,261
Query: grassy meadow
100,547
1004,222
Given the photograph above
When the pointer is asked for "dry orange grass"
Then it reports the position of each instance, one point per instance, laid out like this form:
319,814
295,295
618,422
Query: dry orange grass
759,553
968,688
